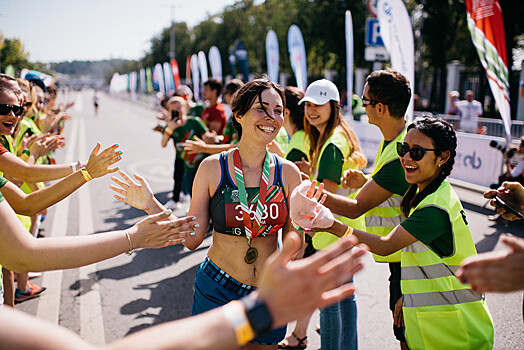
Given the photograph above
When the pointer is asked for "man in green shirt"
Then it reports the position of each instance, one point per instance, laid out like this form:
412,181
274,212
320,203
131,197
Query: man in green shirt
385,99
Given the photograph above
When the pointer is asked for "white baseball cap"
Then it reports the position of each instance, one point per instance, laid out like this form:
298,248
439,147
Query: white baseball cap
321,92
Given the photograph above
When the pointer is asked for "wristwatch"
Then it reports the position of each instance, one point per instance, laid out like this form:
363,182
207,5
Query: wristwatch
258,315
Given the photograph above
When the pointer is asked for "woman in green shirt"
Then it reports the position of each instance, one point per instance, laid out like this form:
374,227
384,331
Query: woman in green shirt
437,310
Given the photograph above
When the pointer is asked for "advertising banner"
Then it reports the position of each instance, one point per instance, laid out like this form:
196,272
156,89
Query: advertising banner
215,62
143,86
202,65
349,61
396,32
176,73
272,57
297,56
168,77
149,80
158,78
195,77
241,58
487,32
476,162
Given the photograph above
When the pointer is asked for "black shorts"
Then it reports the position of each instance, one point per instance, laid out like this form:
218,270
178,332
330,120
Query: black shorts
394,295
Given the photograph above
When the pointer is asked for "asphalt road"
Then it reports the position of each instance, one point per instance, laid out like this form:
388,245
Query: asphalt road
108,300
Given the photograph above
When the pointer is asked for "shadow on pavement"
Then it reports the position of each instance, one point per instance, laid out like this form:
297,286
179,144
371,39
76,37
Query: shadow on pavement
173,296
143,261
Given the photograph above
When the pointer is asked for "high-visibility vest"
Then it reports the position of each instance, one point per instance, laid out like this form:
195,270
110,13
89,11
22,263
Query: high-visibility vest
439,311
382,219
322,240
299,141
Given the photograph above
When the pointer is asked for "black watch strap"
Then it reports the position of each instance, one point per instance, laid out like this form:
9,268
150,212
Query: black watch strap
258,314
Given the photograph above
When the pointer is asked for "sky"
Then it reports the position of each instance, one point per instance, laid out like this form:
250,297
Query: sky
66,30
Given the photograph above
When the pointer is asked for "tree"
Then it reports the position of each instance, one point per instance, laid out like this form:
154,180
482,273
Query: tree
12,52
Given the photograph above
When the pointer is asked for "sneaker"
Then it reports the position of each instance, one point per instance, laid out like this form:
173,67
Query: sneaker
34,274
32,291
170,204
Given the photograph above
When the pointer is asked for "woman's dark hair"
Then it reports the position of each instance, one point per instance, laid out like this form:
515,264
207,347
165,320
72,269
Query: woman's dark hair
296,111
444,139
246,96
232,86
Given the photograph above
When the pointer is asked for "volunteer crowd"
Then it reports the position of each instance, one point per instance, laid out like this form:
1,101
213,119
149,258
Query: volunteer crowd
257,160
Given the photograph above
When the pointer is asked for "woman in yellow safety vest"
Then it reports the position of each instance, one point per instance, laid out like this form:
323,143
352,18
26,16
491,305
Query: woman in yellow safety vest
438,311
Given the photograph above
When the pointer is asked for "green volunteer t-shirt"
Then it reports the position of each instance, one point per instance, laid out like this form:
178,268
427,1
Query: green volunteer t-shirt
3,181
196,110
296,155
391,176
194,126
330,164
431,226
230,133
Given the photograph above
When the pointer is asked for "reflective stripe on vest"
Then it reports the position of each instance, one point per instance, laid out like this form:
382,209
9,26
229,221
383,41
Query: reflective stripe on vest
436,306
450,297
386,216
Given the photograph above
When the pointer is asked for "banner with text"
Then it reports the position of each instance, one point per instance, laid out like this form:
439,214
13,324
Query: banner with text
396,32
487,32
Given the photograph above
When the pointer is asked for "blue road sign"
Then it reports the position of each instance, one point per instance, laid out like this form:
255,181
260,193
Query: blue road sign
373,37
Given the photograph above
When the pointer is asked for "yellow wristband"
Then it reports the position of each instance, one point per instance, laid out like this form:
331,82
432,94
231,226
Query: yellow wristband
348,233
168,131
86,174
236,315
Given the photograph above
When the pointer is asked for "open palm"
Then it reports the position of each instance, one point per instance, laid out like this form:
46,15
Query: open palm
137,195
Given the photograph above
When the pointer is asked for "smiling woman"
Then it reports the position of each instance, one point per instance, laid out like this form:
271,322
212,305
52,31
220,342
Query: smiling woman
438,311
245,191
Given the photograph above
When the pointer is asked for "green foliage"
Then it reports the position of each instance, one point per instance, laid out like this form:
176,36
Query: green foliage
12,52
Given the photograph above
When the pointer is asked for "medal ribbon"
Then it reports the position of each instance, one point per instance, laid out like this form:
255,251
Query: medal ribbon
244,205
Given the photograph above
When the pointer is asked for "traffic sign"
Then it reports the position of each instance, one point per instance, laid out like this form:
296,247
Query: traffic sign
373,37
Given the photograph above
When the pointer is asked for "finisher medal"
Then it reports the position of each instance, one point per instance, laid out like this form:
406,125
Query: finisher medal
252,253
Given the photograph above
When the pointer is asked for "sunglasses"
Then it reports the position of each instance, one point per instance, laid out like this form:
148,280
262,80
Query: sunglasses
6,109
367,102
416,153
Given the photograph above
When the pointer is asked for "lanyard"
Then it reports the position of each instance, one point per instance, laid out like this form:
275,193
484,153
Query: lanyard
244,205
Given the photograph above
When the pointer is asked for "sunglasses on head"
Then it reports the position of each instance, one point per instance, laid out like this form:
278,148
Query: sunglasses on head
5,109
416,153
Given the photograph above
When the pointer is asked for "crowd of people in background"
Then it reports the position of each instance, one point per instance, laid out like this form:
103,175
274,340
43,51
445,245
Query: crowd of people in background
256,161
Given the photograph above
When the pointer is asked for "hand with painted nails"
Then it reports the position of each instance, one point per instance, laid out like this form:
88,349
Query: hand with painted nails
499,271
158,231
306,207
98,164
138,195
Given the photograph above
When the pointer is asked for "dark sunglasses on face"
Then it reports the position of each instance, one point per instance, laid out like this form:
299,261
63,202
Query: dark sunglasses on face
5,109
367,102
416,153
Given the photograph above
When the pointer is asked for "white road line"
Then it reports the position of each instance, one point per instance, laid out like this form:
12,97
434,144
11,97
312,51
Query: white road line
49,304
91,320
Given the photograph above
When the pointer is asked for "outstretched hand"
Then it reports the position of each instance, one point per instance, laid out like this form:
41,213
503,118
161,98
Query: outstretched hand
138,195
156,231
194,146
496,271
292,289
353,178
98,164
304,166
